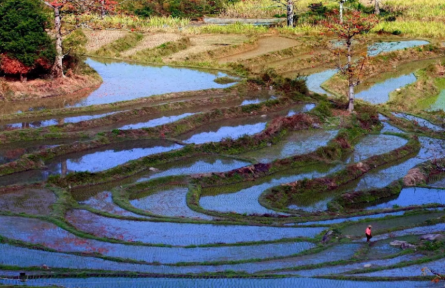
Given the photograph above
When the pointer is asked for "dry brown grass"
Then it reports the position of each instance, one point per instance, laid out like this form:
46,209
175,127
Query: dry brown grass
204,43
40,88
265,45
99,38
152,41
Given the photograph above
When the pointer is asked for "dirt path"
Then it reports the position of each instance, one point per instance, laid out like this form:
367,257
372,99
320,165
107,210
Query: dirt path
265,45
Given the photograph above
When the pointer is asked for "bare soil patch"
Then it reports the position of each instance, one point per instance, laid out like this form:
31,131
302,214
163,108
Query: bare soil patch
152,41
97,39
204,43
265,45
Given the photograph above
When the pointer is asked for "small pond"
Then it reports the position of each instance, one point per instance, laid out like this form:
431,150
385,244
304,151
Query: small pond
156,122
95,160
295,143
246,200
384,47
168,202
430,149
47,234
379,93
314,81
205,283
50,122
204,164
420,121
375,145
182,234
345,268
414,196
409,271
125,81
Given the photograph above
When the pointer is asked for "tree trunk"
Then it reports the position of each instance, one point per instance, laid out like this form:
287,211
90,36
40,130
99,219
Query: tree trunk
351,97
102,9
57,69
64,168
350,76
341,12
377,8
290,13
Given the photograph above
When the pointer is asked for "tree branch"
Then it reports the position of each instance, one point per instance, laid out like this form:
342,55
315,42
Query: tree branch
47,4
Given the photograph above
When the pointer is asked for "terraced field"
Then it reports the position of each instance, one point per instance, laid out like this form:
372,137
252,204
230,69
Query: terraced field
164,178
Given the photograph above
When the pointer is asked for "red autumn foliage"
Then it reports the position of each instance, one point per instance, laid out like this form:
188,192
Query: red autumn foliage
13,66
353,24
84,6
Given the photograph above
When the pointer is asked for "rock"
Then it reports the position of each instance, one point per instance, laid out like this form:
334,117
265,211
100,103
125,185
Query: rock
152,169
362,167
367,265
414,177
402,244
432,237
397,243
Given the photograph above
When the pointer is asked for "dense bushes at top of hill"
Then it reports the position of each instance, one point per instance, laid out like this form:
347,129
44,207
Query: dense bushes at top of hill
25,46
175,8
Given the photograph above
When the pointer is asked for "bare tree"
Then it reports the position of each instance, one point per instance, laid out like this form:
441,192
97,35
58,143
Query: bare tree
353,25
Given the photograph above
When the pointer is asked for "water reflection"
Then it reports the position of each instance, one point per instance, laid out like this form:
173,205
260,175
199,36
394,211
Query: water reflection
124,81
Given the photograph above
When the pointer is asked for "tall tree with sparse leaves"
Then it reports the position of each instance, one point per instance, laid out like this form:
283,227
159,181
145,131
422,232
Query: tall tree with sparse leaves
76,7
376,7
353,25
289,5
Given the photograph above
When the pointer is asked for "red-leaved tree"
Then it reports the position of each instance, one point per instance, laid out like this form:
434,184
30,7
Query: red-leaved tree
77,8
353,68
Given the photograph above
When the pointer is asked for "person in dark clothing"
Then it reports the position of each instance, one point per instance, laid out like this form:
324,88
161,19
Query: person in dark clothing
368,233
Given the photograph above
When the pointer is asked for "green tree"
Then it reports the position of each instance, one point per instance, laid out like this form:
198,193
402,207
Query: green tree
22,33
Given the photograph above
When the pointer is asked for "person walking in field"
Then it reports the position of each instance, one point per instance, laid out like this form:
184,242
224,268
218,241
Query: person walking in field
368,233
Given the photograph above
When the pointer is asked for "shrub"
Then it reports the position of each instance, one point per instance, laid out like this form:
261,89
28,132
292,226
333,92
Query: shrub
24,43
323,109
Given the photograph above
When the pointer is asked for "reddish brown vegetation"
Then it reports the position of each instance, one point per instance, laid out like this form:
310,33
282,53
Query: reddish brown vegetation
11,66
39,88
414,177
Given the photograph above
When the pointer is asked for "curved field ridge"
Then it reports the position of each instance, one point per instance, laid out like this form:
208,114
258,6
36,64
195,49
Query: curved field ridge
180,234
53,237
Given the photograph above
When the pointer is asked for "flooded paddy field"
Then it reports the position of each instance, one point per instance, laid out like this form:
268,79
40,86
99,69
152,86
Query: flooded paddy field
177,191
